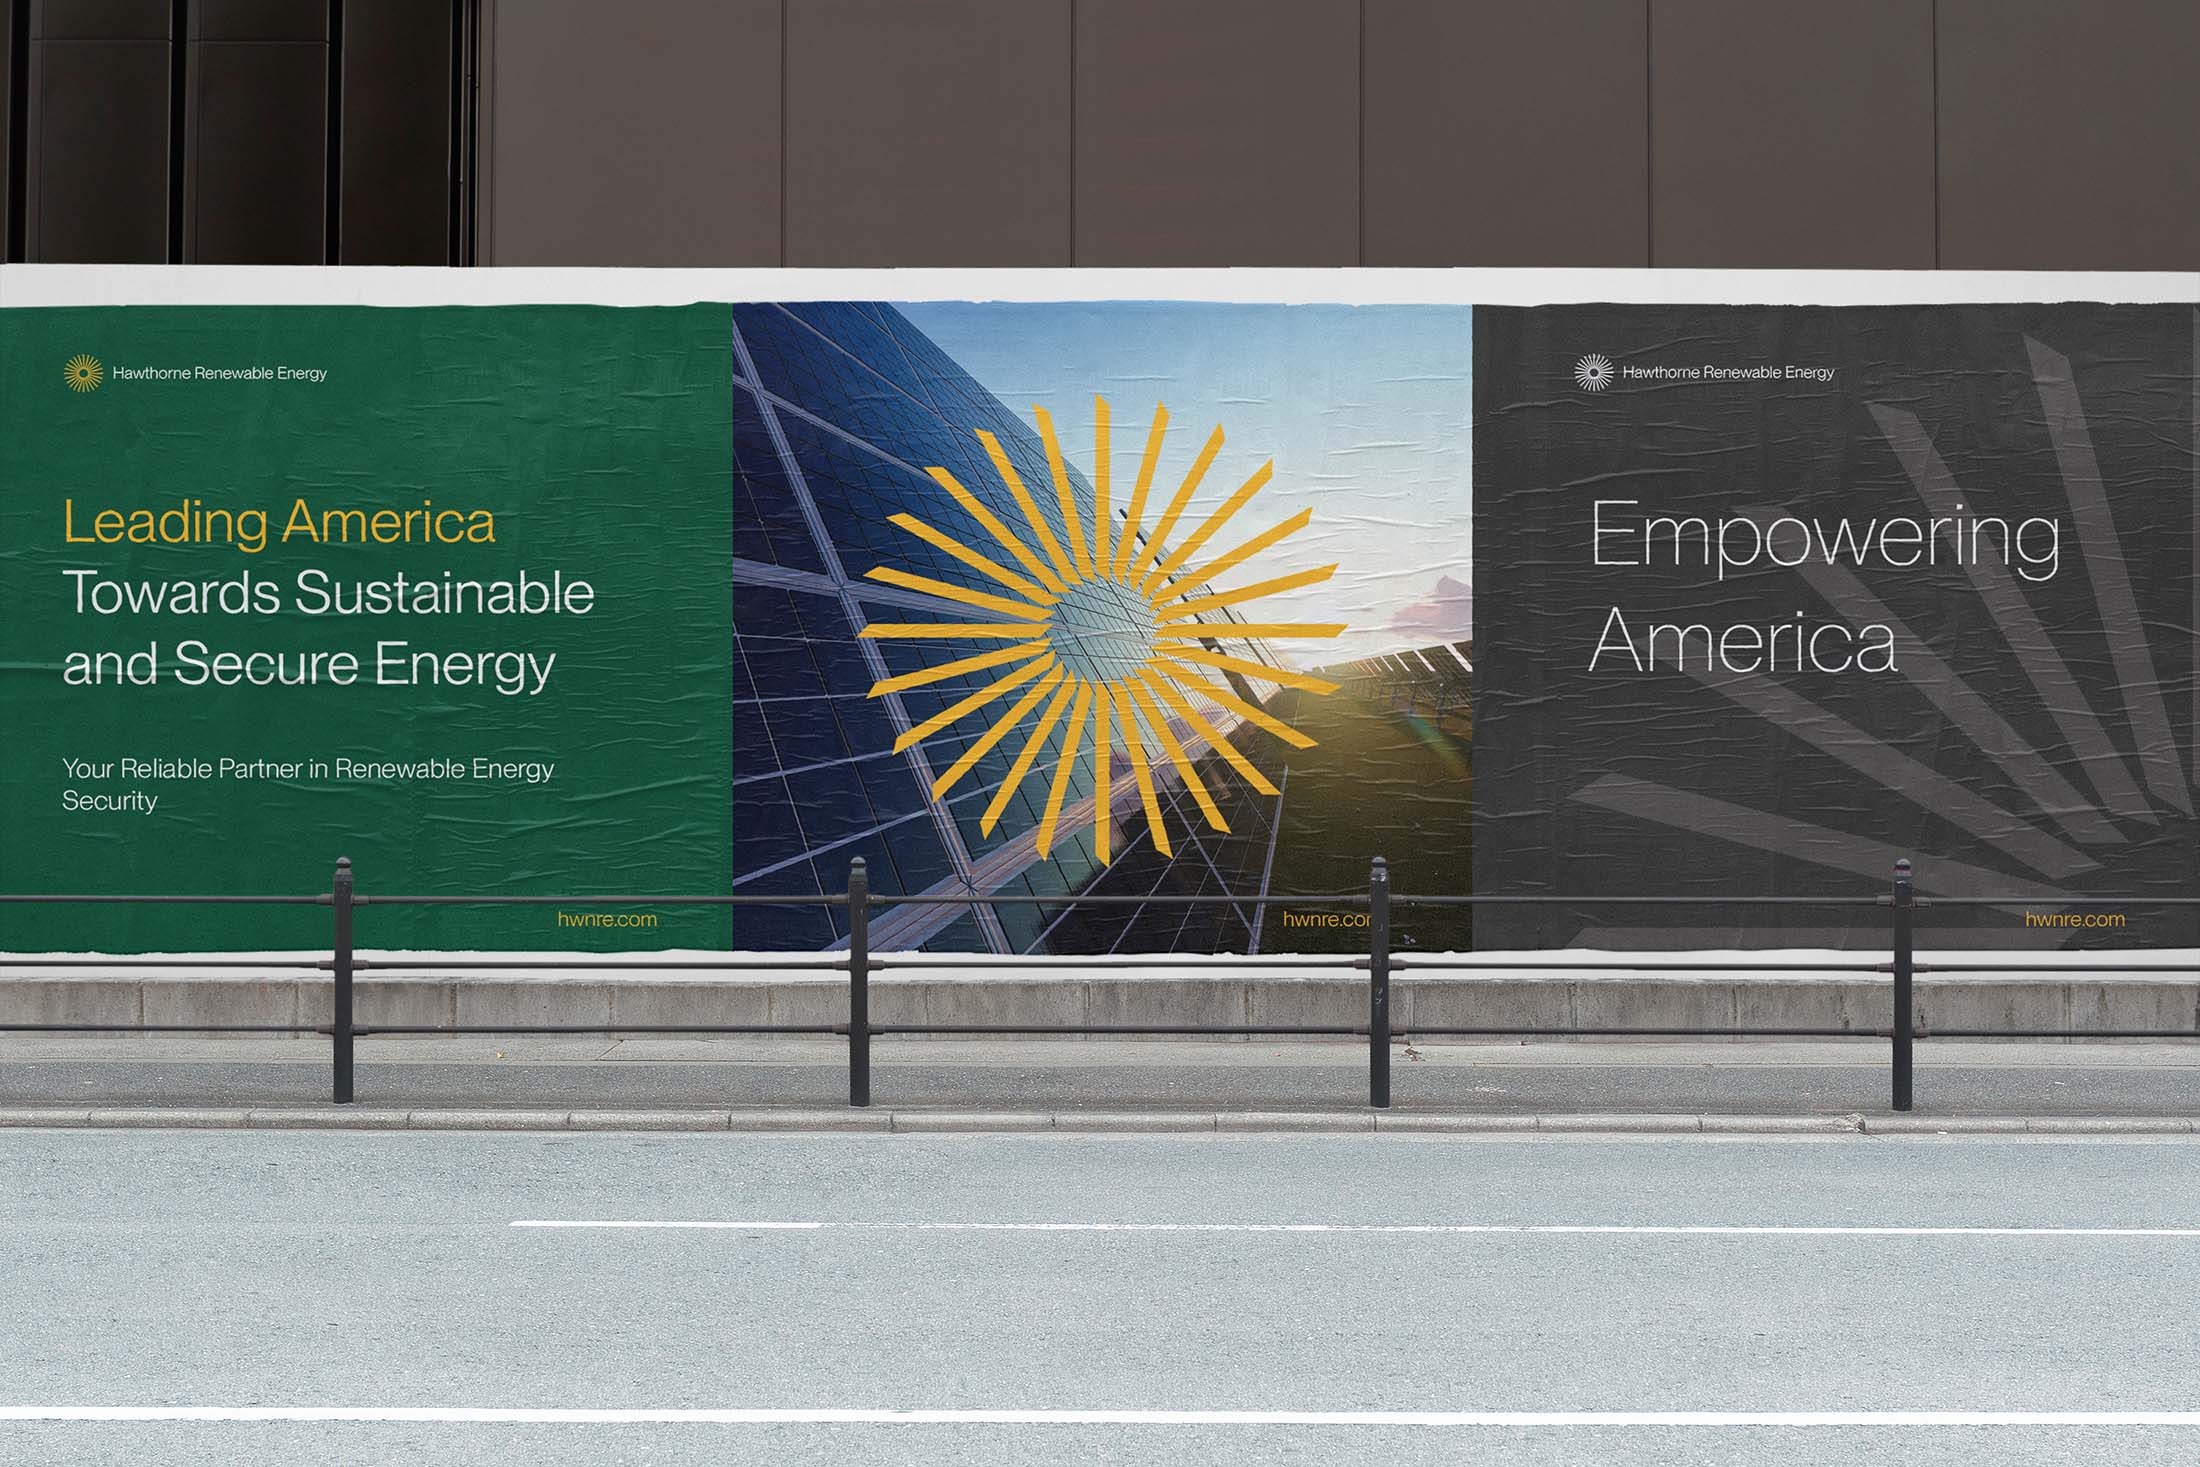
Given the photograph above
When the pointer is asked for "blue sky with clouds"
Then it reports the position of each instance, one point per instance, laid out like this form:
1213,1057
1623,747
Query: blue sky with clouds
1366,410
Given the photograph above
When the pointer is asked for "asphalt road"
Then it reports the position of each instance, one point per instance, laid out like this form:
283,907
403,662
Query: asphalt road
1338,1276
1766,1078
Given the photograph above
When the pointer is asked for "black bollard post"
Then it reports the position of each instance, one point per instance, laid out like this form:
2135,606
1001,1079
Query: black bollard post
340,1035
1905,912
859,983
1378,985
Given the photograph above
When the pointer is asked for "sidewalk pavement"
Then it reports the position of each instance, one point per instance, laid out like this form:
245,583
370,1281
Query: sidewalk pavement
374,1118
578,1083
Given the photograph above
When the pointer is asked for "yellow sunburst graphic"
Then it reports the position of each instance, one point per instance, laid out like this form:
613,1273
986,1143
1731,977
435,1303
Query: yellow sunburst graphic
1146,600
83,373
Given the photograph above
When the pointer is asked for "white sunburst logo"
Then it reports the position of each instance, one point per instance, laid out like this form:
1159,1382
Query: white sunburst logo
1593,373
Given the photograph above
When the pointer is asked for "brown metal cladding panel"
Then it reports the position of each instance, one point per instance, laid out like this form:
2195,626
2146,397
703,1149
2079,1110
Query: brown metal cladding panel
262,20
2069,135
255,153
1224,132
935,134
98,165
1791,133
1500,133
100,20
396,133
7,136
641,133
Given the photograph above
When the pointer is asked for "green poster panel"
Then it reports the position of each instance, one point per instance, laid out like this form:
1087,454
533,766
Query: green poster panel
442,590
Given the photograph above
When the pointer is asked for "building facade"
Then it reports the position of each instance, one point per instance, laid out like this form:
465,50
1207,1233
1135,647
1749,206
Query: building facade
839,411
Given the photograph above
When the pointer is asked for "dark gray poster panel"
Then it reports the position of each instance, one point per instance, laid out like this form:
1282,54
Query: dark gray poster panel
1772,596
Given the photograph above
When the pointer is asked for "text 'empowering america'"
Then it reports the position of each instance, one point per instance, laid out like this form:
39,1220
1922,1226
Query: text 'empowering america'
1623,537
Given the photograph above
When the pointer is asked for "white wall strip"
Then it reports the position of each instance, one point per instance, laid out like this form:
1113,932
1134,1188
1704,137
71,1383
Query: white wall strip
242,285
1651,1230
829,1416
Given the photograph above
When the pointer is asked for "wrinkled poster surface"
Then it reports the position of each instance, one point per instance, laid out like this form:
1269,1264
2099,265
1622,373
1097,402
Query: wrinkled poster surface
1774,597
1129,598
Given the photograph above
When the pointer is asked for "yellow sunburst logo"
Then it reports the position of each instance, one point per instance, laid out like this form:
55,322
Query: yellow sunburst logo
1106,633
83,373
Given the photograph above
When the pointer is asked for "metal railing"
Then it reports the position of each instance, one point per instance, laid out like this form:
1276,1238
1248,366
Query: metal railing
1380,964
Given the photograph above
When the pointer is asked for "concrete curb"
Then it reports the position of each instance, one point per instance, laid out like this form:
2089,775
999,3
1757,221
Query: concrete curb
943,1122
1663,993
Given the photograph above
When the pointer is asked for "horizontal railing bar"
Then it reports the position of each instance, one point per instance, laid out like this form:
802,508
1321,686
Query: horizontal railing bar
127,962
1399,965
163,1028
169,900
365,1030
830,899
1360,900
1200,963
1171,899
1187,1030
2070,901
1924,1033
1404,1031
2079,968
1682,1032
840,899
410,965
977,963
1631,901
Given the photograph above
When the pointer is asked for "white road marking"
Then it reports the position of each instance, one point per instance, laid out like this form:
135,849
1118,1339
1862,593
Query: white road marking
773,1416
784,1227
1653,1230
